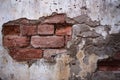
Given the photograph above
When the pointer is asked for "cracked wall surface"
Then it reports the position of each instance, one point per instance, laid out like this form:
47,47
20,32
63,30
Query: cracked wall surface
96,23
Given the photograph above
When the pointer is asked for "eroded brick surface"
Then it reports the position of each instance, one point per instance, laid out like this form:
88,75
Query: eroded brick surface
21,54
47,41
28,30
45,29
11,30
63,30
15,41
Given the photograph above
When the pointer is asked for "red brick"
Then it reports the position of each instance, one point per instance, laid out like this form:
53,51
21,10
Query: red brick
47,41
117,56
51,53
29,30
59,18
22,54
15,41
45,29
63,30
11,30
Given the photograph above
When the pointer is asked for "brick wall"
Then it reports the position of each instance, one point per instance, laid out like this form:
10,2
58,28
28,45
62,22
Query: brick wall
44,38
34,39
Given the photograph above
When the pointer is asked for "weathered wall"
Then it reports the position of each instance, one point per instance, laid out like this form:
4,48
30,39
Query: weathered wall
106,12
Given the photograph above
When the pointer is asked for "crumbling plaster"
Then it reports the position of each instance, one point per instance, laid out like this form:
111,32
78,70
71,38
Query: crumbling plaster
105,11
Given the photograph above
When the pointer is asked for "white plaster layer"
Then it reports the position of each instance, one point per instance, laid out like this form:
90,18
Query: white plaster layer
104,11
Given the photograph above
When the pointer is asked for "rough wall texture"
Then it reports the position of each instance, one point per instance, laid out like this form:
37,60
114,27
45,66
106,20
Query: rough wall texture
95,23
34,39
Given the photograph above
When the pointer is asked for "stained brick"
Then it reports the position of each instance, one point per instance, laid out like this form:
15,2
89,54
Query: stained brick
15,41
22,54
65,30
29,30
58,18
11,30
47,41
45,29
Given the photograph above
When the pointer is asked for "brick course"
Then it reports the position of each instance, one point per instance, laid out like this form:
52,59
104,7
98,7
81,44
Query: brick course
28,30
64,30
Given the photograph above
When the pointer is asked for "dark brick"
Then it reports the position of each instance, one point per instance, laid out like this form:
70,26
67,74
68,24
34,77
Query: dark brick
11,30
15,41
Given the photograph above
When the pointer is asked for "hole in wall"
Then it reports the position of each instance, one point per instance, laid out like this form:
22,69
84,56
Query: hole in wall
31,40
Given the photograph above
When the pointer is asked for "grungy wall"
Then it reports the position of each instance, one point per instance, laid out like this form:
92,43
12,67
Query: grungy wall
107,12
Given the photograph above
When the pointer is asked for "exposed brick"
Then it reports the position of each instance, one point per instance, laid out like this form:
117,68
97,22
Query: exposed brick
117,56
29,30
109,68
45,29
22,54
11,30
47,41
66,30
58,18
15,41
51,53
109,65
